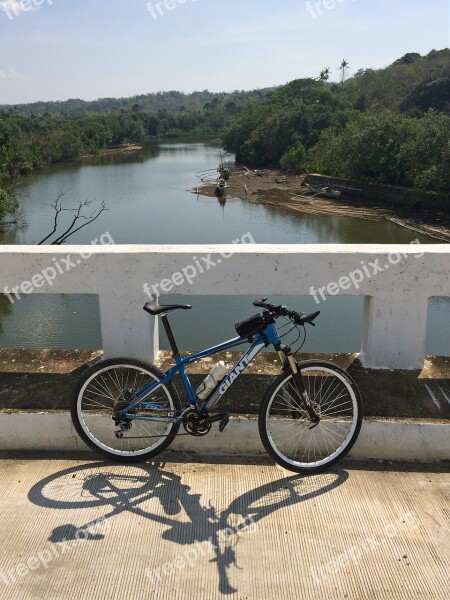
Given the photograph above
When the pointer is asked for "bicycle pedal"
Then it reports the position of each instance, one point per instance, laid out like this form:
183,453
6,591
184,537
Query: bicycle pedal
224,422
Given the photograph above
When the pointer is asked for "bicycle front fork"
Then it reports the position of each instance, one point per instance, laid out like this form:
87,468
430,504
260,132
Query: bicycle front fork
300,386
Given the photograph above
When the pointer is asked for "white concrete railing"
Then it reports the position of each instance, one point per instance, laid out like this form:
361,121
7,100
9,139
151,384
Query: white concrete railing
395,305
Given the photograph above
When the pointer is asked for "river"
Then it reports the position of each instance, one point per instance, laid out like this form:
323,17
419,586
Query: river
149,202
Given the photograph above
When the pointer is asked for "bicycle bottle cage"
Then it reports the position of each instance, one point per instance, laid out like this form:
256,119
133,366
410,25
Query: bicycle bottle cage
245,329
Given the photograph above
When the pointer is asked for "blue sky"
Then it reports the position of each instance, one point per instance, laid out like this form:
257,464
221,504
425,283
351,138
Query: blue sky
59,49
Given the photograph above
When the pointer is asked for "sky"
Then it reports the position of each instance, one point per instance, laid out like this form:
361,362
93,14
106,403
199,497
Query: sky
60,49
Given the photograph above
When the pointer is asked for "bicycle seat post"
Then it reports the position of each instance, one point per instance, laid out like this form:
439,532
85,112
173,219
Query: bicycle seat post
169,333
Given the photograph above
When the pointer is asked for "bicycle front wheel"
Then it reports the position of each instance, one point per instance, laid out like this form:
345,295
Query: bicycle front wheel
104,389
286,429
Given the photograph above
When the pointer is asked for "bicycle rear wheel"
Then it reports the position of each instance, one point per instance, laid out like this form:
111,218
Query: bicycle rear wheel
107,385
286,429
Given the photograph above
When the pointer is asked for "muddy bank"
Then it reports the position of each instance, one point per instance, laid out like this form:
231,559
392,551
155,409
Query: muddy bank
244,183
113,151
272,188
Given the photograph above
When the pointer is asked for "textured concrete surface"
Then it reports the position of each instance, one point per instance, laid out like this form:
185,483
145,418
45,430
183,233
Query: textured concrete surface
244,530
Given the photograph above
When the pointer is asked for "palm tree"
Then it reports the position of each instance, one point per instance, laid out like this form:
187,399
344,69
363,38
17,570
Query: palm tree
344,66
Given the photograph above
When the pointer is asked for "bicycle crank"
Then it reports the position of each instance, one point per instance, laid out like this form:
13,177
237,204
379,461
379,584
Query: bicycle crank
199,424
196,423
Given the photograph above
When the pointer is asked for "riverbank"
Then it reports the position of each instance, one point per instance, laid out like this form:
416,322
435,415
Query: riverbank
270,187
113,151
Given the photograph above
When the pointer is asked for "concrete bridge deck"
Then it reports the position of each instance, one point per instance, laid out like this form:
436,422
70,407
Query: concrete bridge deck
244,529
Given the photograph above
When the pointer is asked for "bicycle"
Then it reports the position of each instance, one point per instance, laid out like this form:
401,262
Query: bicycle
310,417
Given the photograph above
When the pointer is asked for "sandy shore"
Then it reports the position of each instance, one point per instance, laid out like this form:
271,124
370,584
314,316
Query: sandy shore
113,151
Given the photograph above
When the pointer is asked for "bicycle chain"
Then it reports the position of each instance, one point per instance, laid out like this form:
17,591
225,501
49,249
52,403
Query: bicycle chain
146,437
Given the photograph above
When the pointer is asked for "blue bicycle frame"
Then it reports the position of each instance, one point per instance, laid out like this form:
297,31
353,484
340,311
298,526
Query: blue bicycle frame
268,336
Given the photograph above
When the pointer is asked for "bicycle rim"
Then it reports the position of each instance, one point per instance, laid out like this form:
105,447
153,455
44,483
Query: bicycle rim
103,390
287,430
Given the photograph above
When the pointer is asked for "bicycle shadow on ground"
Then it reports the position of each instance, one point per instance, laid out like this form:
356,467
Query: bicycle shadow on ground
209,534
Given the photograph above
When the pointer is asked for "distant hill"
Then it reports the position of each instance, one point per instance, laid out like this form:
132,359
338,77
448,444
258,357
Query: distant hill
170,101
411,83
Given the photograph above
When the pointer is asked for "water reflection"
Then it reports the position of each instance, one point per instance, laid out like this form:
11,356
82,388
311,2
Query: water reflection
9,235
337,229
5,310
51,321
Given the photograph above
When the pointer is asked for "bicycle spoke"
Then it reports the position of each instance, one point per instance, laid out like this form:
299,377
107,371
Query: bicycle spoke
298,443
96,404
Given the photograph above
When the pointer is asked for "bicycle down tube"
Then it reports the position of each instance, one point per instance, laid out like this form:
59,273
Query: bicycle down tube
268,336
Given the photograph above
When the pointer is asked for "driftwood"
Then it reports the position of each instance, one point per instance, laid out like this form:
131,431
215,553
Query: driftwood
438,233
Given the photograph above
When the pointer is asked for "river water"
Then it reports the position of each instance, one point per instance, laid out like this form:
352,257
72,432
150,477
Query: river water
148,200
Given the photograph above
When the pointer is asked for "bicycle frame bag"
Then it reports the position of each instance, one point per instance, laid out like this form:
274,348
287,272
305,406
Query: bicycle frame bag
247,328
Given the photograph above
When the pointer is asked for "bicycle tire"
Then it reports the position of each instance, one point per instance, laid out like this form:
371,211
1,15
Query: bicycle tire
285,428
93,419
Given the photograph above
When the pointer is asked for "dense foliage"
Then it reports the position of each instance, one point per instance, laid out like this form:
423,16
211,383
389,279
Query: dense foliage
403,86
296,113
390,126
385,147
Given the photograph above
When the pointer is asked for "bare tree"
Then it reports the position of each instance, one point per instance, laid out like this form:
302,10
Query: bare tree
79,216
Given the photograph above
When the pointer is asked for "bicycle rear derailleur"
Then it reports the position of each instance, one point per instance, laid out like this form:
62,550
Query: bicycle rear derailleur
123,424
199,424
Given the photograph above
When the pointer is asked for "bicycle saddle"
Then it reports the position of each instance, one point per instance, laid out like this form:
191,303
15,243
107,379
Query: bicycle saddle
159,309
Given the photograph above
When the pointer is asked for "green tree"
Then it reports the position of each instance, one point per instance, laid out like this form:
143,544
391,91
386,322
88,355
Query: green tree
382,146
426,153
8,203
297,112
294,159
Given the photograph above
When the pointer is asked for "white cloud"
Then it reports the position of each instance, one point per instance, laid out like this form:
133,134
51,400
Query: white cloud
10,74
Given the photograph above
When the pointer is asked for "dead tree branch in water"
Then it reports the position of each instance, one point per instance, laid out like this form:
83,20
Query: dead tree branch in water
78,216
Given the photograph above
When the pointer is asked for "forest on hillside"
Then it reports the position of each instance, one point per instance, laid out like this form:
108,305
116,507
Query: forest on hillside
390,125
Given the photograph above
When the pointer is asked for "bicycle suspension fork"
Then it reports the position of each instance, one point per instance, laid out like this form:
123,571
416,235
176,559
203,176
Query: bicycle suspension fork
286,354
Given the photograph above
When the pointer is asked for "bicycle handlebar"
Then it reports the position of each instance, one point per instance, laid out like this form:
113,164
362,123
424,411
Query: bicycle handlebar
282,311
